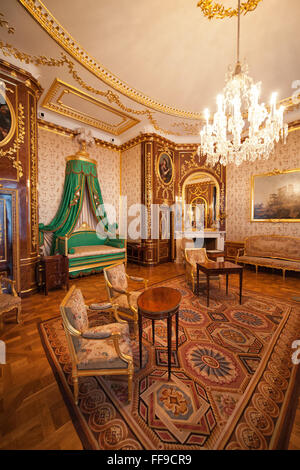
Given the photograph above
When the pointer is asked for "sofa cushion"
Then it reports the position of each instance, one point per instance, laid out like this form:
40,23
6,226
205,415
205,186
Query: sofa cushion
270,262
273,246
93,250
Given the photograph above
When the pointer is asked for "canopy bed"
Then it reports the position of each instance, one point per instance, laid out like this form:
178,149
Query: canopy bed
80,230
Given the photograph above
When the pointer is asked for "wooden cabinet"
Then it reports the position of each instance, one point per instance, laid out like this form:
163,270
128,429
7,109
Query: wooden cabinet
135,252
53,272
19,92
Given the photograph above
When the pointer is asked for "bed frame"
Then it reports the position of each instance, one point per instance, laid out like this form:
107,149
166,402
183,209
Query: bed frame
84,265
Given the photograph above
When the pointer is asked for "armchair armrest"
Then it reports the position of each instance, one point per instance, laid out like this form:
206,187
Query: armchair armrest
125,357
138,279
96,335
102,306
10,282
189,265
240,252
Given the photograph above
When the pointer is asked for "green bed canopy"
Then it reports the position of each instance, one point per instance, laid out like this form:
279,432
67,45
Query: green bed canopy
80,171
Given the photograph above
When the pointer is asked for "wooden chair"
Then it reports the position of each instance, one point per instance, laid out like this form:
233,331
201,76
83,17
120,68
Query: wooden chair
193,256
100,350
116,281
9,302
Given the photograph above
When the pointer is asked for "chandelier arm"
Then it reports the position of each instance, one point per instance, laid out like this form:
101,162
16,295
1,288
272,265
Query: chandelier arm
239,30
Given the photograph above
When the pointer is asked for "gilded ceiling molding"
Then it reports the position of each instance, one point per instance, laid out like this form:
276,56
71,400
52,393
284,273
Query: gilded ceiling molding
216,10
47,21
9,50
294,126
55,101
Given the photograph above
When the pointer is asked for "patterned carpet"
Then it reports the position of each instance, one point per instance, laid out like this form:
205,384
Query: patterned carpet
231,384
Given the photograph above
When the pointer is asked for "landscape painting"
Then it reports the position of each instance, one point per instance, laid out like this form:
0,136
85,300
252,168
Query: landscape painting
276,197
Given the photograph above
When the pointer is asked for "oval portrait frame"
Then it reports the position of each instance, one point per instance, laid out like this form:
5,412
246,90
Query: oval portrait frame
171,165
13,120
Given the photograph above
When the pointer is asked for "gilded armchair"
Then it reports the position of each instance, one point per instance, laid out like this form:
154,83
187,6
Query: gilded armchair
99,350
116,280
9,302
192,257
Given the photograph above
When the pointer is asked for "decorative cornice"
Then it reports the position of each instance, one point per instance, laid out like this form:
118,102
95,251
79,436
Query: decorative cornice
49,126
216,10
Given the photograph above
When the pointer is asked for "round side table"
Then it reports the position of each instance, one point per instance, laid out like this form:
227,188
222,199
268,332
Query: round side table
158,303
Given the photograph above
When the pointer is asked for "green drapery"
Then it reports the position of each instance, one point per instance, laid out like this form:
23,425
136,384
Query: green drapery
78,173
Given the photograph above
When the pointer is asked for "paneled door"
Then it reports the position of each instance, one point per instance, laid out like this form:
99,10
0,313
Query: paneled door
6,230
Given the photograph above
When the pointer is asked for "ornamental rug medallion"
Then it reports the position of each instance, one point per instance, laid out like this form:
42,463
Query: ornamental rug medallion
231,384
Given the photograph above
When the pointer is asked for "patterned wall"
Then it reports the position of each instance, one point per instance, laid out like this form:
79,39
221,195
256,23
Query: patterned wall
53,148
239,192
131,176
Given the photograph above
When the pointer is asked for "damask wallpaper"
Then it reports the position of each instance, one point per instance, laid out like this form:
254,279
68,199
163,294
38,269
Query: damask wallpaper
53,148
131,176
238,225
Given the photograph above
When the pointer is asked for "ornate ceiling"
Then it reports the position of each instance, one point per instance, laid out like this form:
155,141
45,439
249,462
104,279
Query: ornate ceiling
123,67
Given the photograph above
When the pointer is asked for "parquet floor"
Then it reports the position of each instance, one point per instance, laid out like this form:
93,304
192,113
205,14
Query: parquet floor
32,412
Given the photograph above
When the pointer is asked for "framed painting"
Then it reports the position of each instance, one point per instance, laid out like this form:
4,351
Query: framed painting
275,196
165,169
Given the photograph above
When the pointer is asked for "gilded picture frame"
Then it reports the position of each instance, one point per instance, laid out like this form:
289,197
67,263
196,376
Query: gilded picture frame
165,168
275,196
7,119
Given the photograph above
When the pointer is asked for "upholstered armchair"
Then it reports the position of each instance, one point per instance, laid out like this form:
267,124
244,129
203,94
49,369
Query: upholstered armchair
192,257
9,302
99,350
116,281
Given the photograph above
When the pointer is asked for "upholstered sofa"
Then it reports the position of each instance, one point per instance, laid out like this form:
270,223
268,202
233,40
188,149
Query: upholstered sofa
271,251
87,253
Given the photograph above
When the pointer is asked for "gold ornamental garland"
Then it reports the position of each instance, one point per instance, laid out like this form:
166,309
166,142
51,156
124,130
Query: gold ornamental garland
10,153
5,23
216,10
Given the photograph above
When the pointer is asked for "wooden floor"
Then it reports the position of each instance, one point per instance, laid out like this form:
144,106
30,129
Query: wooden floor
32,412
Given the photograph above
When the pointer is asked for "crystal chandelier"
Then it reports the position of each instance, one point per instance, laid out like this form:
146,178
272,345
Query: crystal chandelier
242,129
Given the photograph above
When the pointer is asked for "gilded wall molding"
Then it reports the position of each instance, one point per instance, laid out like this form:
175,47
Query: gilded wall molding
33,180
19,140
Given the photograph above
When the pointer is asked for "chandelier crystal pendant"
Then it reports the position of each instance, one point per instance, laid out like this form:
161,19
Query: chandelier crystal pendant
241,129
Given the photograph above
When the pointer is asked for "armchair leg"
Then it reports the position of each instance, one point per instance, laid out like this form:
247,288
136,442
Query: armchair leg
130,377
19,314
135,329
75,383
